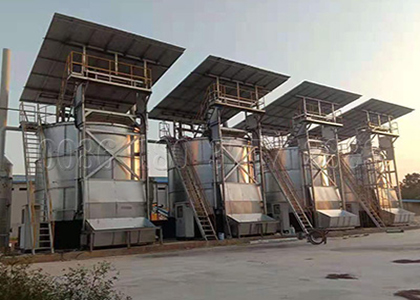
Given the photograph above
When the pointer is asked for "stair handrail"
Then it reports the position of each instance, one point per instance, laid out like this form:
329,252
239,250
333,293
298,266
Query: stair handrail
287,188
48,199
354,185
363,193
287,180
190,168
193,186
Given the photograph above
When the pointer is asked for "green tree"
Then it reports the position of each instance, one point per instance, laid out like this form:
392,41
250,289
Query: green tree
410,186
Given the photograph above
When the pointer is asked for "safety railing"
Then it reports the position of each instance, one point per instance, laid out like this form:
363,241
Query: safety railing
28,113
236,95
113,71
318,110
391,127
164,130
274,142
36,113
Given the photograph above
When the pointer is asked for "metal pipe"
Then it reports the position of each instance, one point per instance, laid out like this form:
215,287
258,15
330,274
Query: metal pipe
4,101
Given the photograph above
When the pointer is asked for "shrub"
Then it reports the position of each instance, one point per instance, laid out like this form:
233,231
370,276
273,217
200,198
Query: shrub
18,281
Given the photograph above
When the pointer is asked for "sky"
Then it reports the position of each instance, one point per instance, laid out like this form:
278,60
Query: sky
370,47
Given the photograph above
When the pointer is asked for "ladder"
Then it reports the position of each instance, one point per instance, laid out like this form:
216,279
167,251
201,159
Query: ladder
363,194
41,226
193,187
46,234
285,184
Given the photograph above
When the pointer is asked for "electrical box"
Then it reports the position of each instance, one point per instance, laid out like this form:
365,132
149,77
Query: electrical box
184,215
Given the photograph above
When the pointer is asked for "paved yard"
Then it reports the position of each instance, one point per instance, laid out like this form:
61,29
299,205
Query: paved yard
287,270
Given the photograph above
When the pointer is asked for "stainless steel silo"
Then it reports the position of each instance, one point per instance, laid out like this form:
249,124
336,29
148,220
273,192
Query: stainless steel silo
61,142
201,155
243,203
290,159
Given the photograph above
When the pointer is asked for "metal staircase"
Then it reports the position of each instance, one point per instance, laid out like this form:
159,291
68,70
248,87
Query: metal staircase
363,195
193,187
40,212
286,186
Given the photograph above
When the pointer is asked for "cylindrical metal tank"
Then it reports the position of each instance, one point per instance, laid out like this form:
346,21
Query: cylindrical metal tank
200,150
354,161
111,137
62,140
290,158
240,151
201,154
320,158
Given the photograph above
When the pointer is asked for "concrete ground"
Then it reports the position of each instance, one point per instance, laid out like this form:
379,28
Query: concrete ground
282,270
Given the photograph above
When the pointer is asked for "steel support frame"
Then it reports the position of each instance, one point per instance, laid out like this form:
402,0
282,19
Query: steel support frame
85,133
220,152
311,170
372,176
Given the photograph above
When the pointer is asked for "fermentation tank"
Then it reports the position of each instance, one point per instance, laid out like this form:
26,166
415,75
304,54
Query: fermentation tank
391,212
326,195
61,141
111,191
200,151
290,159
243,202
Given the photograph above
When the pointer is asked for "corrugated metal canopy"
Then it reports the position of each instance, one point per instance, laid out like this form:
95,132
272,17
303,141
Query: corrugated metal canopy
356,117
66,34
184,102
280,112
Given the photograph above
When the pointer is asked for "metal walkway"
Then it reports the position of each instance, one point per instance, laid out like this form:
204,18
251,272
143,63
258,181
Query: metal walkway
286,186
363,195
193,188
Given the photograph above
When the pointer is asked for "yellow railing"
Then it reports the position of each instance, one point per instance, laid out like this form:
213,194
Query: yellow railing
84,63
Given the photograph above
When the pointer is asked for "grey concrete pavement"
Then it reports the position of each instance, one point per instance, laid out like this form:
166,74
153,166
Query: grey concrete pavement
292,270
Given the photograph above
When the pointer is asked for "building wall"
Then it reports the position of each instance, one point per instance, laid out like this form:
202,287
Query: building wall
19,199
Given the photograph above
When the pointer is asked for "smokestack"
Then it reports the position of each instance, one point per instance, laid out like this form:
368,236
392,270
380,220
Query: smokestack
4,101
5,165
